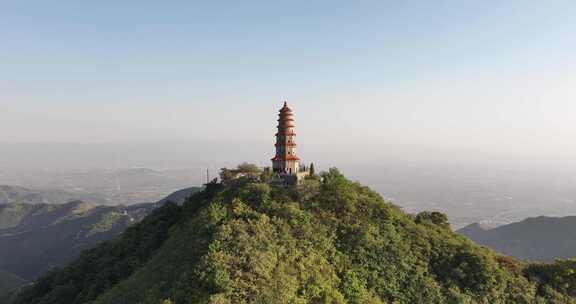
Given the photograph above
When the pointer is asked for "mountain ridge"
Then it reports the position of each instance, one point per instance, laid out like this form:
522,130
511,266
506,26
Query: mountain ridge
540,238
329,240
36,237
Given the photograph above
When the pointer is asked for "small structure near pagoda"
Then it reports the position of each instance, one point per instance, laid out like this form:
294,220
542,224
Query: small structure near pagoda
287,167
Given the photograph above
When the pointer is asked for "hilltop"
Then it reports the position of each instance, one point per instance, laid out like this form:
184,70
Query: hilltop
329,240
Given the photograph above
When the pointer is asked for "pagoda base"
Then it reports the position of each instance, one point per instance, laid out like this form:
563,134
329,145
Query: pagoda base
285,179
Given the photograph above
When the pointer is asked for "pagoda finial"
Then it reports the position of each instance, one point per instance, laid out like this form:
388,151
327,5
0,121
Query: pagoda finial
285,103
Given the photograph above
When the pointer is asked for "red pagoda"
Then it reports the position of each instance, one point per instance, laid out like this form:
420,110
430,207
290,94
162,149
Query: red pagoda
286,164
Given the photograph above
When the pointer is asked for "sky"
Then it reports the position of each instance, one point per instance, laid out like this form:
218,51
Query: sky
365,78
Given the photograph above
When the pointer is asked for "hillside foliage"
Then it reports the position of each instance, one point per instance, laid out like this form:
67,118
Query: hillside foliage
329,240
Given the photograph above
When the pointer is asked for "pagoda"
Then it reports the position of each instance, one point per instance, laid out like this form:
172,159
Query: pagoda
286,165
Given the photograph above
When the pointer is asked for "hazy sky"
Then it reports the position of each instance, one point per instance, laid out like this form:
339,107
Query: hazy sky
486,77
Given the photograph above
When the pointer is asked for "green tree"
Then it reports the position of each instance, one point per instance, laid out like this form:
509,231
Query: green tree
266,175
435,218
244,173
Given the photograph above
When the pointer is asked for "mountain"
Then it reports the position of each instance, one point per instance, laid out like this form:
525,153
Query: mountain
37,237
49,235
15,194
8,282
536,239
329,240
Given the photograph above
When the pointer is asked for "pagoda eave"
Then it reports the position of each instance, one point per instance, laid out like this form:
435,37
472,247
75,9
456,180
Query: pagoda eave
285,158
286,145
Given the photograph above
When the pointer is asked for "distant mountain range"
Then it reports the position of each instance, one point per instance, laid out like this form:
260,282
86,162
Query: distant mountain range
16,194
35,237
116,185
536,239
38,237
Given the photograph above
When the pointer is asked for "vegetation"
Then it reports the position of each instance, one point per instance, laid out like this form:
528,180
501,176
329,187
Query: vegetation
98,269
329,240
